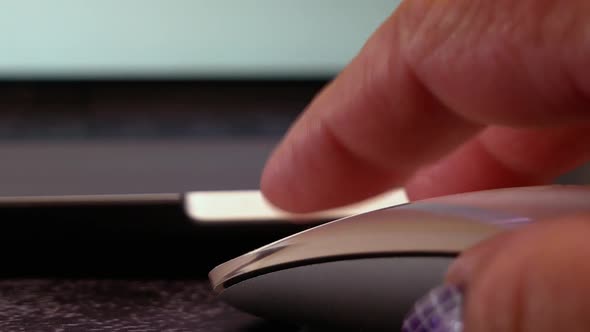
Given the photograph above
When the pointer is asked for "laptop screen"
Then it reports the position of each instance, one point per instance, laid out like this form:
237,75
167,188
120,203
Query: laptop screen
183,38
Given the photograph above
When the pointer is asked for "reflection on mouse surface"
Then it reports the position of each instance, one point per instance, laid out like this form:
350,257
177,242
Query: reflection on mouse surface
366,271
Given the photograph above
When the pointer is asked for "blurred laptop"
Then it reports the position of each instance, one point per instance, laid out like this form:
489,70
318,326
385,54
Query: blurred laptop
112,110
161,95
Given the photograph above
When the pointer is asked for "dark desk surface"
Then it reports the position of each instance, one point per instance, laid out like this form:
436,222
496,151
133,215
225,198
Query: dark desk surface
119,305
121,267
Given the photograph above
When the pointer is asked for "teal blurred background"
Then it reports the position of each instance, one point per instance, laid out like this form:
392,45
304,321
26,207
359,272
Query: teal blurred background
136,96
183,38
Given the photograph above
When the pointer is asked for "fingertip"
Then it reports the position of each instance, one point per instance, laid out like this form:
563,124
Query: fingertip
276,187
472,261
277,183
311,171
292,182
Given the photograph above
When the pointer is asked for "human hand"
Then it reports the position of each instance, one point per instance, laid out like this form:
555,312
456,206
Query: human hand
445,97
449,97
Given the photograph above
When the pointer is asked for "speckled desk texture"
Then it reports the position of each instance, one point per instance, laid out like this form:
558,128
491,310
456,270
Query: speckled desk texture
119,305
119,268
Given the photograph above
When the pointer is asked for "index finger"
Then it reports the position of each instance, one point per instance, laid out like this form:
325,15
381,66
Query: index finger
365,132
431,77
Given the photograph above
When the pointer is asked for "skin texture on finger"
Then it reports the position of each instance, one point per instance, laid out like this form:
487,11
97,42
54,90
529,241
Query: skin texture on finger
534,279
504,157
429,79
516,63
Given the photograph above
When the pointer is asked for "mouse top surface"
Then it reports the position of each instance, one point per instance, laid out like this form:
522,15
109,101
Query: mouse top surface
438,226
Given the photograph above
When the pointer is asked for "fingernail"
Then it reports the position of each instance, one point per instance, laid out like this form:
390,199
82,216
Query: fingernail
439,311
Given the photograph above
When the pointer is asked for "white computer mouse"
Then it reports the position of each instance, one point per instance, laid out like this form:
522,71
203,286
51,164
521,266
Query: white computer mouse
365,272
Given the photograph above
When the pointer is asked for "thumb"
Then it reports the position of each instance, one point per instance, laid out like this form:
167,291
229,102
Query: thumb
534,279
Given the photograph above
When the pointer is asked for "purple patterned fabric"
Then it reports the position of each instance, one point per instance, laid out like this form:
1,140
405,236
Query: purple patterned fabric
438,311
